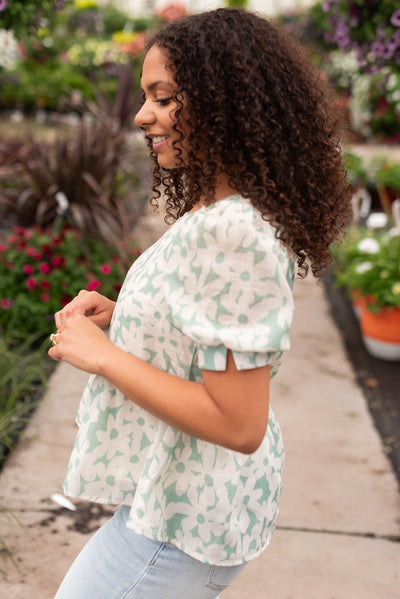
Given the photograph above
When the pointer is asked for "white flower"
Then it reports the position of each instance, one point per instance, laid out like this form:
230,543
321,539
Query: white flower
377,220
368,246
364,267
9,53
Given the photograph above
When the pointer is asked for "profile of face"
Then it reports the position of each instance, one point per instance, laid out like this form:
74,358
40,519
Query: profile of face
157,115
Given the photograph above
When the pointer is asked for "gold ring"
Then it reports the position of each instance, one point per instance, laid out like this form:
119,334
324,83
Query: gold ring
53,338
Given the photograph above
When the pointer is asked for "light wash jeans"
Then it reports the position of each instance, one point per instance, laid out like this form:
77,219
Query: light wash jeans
117,563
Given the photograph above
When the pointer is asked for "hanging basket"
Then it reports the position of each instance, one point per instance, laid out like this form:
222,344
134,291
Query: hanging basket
381,332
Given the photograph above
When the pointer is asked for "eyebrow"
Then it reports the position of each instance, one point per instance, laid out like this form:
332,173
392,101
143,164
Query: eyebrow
155,84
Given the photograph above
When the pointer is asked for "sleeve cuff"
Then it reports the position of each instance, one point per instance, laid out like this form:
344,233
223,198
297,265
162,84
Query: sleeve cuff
214,358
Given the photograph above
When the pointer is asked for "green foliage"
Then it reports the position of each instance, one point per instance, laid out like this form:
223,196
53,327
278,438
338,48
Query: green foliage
42,270
387,172
24,17
35,85
23,373
356,171
236,3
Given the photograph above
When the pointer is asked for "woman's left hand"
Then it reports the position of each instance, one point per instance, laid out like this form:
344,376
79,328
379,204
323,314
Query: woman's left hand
82,344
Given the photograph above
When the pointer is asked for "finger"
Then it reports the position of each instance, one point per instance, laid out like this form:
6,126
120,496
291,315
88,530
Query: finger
62,317
54,354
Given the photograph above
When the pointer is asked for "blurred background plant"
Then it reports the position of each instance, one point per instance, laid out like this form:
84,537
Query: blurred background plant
357,44
41,270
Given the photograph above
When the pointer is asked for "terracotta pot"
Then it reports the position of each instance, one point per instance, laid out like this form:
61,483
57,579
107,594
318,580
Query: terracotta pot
359,301
381,332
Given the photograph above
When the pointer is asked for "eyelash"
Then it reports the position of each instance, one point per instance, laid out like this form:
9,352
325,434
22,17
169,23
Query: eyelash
163,101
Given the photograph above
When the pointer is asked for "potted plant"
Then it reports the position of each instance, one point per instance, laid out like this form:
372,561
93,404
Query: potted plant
387,176
368,265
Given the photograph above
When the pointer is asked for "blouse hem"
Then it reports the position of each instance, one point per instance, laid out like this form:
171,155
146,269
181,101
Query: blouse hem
194,554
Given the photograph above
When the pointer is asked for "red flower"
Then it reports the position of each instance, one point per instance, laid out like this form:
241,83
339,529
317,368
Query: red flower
135,252
58,261
65,300
3,247
5,303
45,285
30,283
93,285
28,269
30,251
105,269
45,297
44,267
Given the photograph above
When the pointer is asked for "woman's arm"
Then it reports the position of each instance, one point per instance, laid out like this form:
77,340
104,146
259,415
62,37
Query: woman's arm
229,408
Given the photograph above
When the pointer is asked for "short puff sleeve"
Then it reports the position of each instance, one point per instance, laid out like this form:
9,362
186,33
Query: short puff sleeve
229,286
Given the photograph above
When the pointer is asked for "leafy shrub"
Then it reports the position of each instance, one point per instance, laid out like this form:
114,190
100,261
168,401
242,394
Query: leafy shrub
92,168
35,85
41,270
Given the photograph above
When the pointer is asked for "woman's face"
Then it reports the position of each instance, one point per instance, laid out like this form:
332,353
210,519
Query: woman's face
157,115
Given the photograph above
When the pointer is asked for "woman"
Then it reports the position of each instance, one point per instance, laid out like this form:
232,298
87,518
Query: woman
175,424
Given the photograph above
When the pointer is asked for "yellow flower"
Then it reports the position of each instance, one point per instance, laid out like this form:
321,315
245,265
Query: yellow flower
124,37
42,32
396,288
82,4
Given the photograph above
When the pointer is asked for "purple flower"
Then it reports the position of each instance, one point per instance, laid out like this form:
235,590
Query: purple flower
396,37
395,20
378,49
3,4
389,50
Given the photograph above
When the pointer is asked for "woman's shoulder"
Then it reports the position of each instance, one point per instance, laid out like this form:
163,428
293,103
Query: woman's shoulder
232,222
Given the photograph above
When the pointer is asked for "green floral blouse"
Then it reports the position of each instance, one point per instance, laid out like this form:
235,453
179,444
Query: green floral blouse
217,279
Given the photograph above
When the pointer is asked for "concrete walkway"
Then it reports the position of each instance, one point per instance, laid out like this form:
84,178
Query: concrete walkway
338,531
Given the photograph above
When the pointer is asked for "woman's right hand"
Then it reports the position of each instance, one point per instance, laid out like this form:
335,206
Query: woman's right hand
98,308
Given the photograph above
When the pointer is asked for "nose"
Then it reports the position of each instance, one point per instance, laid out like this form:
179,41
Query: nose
145,116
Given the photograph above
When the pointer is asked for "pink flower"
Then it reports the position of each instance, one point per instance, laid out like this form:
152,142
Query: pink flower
28,269
45,285
44,267
93,285
105,269
3,247
30,251
5,303
30,283
45,297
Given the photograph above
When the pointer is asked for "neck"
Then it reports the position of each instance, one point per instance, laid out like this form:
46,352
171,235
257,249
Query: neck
223,188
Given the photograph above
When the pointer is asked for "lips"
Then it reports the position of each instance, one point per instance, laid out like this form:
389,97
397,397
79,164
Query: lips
158,140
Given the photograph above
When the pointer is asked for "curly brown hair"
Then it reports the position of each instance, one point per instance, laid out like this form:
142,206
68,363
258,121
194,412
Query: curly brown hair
256,105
